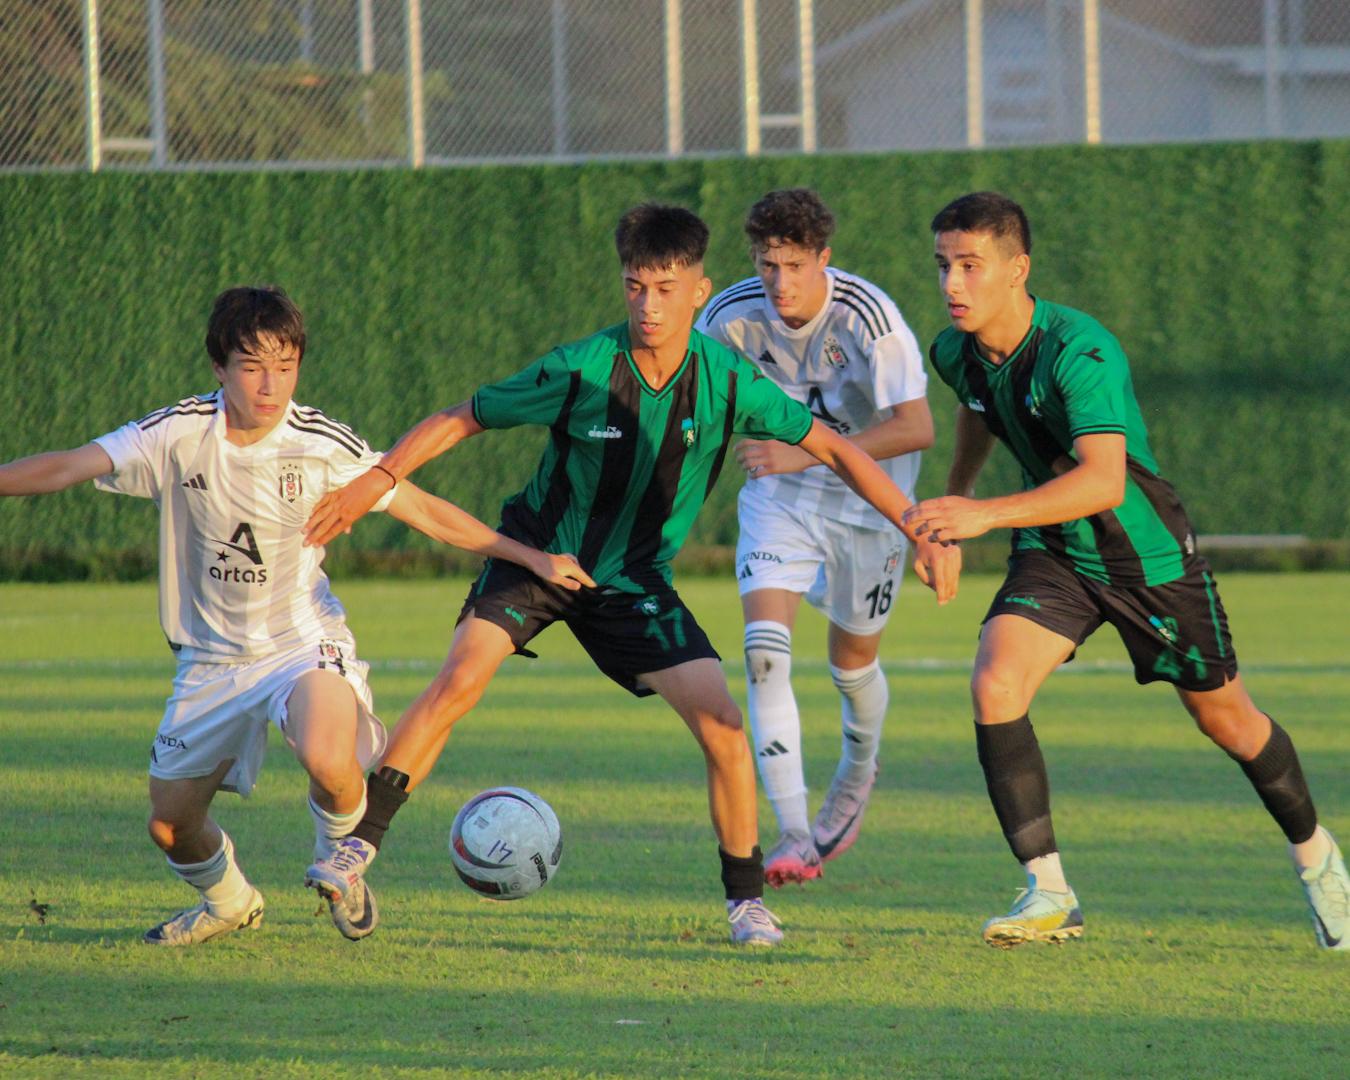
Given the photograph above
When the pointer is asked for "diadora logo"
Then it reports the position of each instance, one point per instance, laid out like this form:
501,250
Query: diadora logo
520,619
834,354
975,406
249,549
610,432
1025,601
290,482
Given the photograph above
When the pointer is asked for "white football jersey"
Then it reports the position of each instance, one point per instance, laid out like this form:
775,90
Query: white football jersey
235,579
850,365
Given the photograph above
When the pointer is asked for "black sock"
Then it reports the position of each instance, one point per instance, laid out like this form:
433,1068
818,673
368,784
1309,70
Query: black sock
384,795
1014,773
1278,779
743,877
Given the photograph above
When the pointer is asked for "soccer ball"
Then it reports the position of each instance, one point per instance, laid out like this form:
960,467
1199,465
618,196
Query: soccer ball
506,843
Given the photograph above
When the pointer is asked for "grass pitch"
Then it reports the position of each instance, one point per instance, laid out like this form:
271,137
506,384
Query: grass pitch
1198,958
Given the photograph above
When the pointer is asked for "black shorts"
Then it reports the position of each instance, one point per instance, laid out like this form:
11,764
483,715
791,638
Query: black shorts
627,634
1176,633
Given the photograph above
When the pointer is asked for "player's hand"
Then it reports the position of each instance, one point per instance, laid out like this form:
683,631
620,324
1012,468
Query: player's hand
951,517
562,570
939,567
767,457
339,510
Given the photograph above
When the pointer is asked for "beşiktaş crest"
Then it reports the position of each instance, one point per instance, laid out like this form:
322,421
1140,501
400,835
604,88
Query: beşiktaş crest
290,482
834,354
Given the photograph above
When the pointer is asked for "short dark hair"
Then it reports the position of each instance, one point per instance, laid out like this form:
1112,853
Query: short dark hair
790,216
242,315
986,212
653,236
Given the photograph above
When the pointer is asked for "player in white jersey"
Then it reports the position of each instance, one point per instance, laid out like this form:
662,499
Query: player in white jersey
839,344
260,638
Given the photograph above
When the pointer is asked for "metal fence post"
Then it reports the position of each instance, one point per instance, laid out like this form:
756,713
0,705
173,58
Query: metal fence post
417,132
674,79
806,29
93,120
1092,72
974,73
559,58
750,74
159,127
1270,34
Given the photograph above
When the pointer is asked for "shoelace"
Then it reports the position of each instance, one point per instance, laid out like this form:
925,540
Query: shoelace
1335,893
345,858
755,913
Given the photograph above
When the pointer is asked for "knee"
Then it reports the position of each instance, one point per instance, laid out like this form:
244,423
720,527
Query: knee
163,832
721,734
1239,731
998,695
455,692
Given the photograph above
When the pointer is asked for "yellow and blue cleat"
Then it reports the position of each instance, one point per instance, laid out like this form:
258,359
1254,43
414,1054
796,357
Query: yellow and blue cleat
1036,915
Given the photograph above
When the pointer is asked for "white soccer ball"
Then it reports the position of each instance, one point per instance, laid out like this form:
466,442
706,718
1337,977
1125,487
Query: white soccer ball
506,843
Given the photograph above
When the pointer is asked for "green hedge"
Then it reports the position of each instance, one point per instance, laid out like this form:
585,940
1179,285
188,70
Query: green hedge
1213,265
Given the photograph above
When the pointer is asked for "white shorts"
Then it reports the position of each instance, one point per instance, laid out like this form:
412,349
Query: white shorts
221,711
849,573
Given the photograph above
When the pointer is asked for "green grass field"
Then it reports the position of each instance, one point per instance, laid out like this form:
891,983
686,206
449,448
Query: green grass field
1198,958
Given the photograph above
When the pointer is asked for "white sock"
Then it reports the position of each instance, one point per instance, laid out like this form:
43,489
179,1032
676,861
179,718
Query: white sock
775,724
1313,852
1045,872
219,880
865,697
329,827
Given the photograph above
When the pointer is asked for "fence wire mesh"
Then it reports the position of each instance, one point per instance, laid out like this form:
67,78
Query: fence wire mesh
314,83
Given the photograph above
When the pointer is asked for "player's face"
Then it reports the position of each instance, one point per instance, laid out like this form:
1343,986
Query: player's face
979,276
662,303
258,385
794,279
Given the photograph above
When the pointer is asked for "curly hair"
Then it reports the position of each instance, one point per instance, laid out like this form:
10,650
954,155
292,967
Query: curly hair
791,216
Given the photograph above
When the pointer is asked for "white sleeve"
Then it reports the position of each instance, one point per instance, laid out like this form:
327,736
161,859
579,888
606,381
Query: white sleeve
898,373
343,469
137,456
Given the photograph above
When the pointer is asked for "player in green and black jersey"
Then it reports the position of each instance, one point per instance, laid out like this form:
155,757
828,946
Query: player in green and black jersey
640,416
1099,536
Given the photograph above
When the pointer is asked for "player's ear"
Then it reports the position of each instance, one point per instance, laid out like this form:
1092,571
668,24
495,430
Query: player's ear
702,291
1021,268
824,258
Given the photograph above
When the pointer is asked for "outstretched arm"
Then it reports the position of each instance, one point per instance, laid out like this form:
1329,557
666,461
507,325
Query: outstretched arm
1091,481
42,474
934,563
908,428
447,523
339,510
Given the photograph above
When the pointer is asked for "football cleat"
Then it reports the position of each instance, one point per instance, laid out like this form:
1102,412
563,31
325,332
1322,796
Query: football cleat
196,925
794,858
1036,915
339,880
1327,888
841,816
752,923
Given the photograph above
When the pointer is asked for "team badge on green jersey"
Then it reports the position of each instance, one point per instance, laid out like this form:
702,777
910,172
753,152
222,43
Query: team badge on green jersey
649,605
687,432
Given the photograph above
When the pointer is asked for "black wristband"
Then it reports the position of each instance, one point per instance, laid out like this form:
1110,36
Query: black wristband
388,474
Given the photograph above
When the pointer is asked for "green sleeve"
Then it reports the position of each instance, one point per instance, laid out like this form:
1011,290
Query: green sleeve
533,395
763,411
1093,376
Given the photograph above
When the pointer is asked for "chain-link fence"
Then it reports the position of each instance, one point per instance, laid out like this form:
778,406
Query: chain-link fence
310,83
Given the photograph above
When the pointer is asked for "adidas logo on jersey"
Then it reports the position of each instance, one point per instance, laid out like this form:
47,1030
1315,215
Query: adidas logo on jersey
196,483
766,357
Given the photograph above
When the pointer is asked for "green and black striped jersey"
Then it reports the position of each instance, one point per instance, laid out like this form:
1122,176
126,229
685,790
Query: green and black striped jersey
627,468
1069,377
